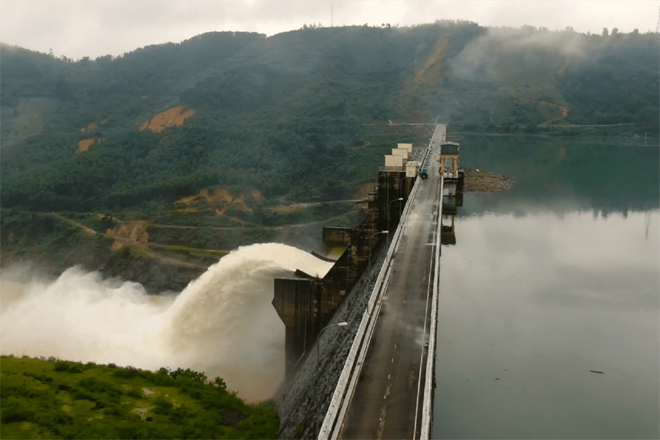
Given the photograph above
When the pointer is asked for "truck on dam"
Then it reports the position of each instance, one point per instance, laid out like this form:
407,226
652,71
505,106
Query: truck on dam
450,170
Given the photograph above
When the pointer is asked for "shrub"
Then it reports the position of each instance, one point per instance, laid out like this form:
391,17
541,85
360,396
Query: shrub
163,406
137,394
61,366
98,386
15,413
195,376
68,367
127,373
52,419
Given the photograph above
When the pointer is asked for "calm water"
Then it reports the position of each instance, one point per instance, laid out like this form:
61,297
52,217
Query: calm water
548,281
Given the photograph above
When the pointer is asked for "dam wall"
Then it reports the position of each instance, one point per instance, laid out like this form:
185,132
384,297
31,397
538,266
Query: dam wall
303,399
306,303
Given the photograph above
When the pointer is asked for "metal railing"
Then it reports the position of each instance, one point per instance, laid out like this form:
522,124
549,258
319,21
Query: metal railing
427,406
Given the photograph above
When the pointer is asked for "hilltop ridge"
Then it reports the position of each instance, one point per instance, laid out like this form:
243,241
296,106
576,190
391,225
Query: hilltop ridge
301,116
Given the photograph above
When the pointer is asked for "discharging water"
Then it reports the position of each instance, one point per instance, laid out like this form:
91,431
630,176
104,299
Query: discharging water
222,323
549,302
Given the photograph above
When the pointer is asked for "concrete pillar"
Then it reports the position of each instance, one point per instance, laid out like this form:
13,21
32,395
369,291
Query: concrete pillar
296,301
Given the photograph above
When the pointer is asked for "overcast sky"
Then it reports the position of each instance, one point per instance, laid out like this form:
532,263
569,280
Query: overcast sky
77,28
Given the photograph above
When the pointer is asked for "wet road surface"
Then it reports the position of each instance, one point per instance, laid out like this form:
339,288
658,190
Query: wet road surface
387,401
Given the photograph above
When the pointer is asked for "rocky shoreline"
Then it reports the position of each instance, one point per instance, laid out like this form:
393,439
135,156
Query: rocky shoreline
480,180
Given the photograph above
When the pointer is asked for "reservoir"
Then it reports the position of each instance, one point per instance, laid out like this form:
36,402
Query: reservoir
548,312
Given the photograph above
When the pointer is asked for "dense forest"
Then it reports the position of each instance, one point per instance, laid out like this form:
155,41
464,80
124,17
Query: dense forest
233,131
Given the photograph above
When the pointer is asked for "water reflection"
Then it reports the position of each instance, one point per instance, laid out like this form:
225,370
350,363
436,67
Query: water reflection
531,306
450,205
448,230
545,287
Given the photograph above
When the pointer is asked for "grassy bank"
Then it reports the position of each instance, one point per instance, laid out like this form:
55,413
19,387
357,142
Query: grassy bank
56,399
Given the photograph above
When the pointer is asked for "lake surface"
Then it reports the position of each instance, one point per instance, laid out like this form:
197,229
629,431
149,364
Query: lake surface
547,281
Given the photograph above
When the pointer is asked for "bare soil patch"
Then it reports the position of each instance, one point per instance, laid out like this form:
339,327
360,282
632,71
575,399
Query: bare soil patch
130,233
85,144
174,117
218,196
430,73
257,196
565,110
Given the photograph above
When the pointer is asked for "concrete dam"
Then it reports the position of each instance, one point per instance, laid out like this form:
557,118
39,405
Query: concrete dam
374,379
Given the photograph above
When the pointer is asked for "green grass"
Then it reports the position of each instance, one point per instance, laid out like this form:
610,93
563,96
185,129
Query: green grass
57,399
193,251
186,253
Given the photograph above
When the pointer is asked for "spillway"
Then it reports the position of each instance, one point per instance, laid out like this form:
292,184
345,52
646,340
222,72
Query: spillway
222,323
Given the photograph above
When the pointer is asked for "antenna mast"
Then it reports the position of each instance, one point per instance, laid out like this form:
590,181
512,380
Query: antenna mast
332,15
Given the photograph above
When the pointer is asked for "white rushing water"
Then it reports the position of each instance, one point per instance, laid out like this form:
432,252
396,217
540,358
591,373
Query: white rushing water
222,323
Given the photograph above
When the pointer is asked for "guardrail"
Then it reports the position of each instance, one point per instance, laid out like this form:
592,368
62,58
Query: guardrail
427,406
345,388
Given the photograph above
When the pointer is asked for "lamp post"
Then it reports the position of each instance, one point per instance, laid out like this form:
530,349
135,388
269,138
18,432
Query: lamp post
318,362
389,209
379,232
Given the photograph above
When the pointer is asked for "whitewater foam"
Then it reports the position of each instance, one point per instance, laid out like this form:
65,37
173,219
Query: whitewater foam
222,323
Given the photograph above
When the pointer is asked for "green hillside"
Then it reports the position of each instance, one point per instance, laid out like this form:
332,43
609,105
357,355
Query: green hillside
227,138
57,399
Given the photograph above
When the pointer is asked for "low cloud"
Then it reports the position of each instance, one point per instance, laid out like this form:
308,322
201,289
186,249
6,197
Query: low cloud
506,53
96,28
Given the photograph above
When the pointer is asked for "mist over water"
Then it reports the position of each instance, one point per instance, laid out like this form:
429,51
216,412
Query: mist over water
222,323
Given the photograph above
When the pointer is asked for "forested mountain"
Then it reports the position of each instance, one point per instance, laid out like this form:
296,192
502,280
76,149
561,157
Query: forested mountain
219,129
